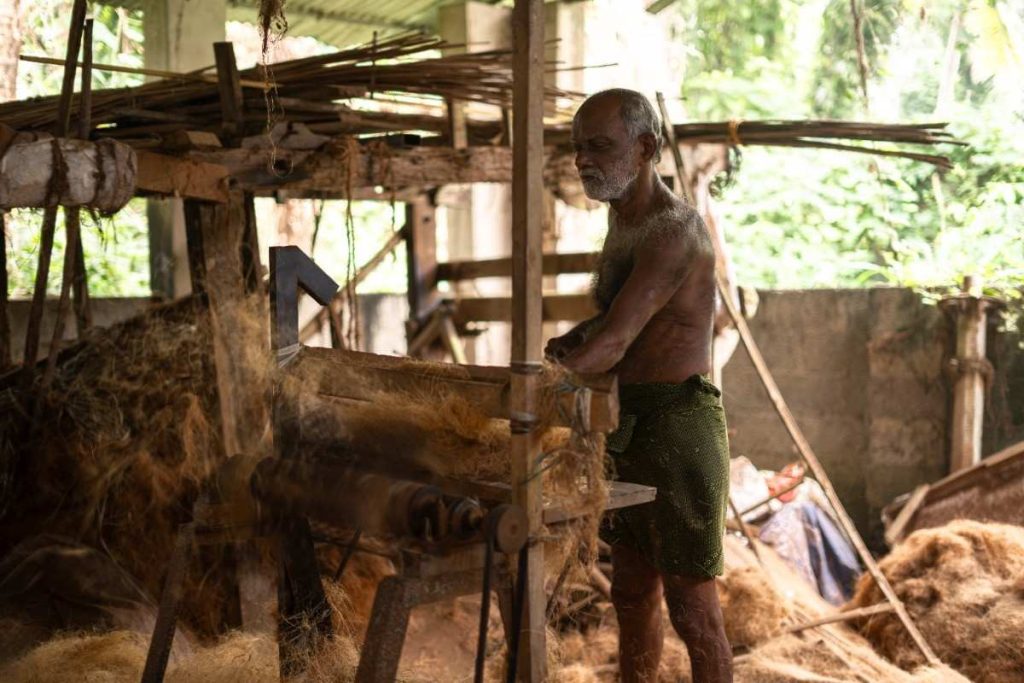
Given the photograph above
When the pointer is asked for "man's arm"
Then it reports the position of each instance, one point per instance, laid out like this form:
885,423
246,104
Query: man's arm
559,347
659,268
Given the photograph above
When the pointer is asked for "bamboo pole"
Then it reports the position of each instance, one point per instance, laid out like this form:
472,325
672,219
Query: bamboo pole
191,76
80,285
881,608
526,361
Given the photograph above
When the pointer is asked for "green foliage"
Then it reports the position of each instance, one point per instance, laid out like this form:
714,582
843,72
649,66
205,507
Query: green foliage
825,219
836,92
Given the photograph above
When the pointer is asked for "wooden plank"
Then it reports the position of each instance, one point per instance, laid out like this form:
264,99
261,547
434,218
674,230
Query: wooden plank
898,529
554,307
969,311
421,254
622,494
992,490
177,177
551,264
362,376
527,342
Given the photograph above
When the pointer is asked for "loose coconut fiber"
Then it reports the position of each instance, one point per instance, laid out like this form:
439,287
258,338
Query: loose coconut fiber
753,611
963,585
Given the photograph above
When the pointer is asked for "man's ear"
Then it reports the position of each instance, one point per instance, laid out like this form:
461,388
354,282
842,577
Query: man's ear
648,146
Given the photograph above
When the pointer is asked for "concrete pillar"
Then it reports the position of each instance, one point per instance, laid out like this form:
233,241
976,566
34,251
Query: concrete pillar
179,36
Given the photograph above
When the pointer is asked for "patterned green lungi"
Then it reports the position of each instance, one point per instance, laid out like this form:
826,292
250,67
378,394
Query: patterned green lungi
673,437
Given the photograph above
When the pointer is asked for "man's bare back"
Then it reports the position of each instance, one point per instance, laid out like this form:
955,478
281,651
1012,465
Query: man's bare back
676,342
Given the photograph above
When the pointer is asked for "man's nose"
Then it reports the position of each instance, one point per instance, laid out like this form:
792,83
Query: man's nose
582,161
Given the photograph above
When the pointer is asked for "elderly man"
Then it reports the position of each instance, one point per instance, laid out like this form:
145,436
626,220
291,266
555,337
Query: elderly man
655,288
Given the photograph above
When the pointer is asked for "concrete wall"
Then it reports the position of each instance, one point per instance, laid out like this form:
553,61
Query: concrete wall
862,371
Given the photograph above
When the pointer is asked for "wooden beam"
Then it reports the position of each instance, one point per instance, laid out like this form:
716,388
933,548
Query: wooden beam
552,264
176,177
555,307
527,248
362,376
333,171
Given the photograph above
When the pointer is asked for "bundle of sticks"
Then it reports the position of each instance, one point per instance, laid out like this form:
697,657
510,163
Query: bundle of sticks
307,90
318,92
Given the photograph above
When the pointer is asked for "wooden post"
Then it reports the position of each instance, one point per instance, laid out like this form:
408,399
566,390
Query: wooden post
527,225
230,86
970,367
421,254
216,234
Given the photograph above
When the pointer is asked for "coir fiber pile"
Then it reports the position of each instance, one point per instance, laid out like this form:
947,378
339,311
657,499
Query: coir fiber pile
963,585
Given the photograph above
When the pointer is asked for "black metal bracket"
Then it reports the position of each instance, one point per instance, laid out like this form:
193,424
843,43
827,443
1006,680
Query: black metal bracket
291,269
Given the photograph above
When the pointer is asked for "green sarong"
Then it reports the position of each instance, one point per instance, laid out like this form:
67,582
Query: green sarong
673,437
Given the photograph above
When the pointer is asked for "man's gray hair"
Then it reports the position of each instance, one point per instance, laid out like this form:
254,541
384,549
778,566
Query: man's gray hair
637,113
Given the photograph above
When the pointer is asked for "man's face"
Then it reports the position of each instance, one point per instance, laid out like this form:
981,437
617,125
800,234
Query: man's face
607,158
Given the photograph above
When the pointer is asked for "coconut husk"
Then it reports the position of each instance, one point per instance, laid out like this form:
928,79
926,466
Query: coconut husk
963,585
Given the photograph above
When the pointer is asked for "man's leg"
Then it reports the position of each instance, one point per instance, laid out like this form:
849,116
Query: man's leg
697,617
636,594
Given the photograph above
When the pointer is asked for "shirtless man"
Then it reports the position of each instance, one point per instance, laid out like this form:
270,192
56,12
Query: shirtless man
655,288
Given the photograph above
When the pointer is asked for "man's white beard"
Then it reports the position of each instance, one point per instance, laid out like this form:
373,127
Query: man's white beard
612,185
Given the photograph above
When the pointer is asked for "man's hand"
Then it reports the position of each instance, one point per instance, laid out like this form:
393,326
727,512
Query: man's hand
560,347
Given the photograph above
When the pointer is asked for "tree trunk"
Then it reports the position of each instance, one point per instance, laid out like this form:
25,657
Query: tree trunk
10,46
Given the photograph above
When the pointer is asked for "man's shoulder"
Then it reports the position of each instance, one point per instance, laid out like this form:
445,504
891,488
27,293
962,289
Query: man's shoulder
676,221
681,213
